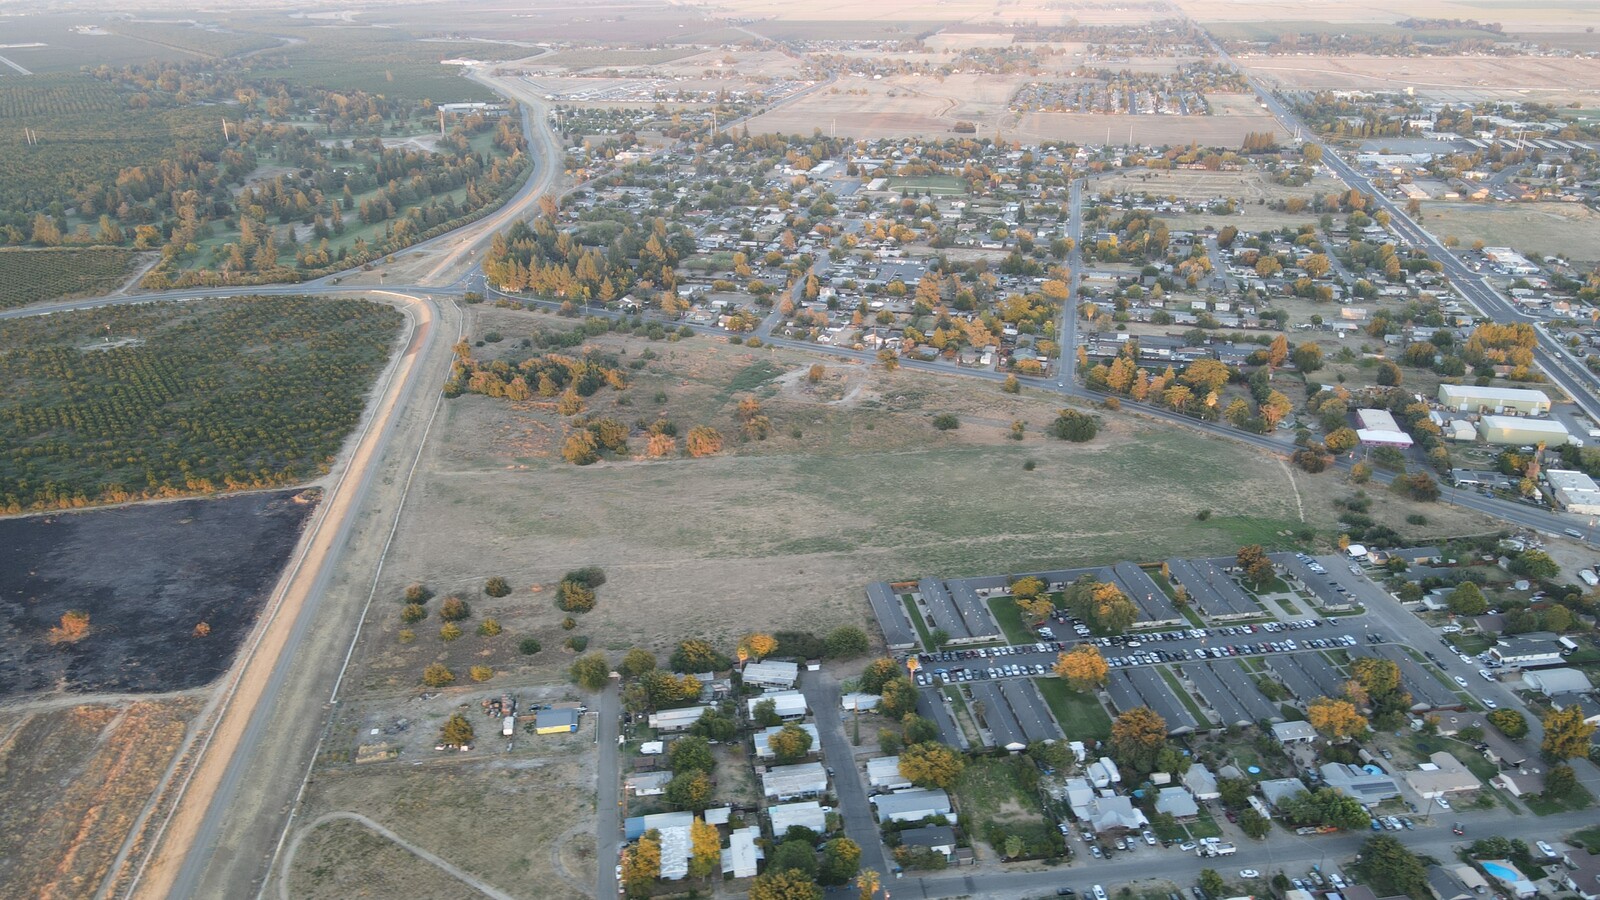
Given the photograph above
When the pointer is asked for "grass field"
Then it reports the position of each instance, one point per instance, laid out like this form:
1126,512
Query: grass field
1080,714
29,276
989,791
786,532
171,399
589,59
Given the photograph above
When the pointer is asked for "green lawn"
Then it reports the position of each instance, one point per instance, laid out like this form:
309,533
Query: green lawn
1578,798
1470,644
916,619
1081,716
1185,696
1009,616
933,184
1588,837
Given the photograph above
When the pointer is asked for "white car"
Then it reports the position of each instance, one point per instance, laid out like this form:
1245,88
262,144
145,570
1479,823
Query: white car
1187,846
1490,703
1461,681
1443,803
1249,873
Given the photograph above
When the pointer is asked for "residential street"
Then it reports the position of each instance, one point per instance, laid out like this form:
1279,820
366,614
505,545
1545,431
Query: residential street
860,824
607,802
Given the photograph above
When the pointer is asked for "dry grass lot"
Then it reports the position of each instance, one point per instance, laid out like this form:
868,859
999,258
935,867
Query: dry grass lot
901,106
783,533
1546,15
72,781
1249,186
523,826
1567,228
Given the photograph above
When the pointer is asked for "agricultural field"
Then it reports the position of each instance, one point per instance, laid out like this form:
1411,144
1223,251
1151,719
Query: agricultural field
171,399
383,61
1553,80
1571,229
63,43
169,589
619,59
900,106
29,276
76,778
852,484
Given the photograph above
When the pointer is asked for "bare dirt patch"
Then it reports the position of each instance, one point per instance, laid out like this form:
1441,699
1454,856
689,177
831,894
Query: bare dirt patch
72,782
1554,79
346,859
148,575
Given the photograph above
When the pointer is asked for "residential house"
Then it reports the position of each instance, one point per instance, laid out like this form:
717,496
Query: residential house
1550,682
1582,876
883,773
676,719
1178,803
1585,702
1111,814
772,674
1520,783
795,782
789,705
806,814
742,856
1528,651
1201,783
912,806
1277,790
763,739
1356,782
1445,886
648,784
937,838
1442,774
1293,732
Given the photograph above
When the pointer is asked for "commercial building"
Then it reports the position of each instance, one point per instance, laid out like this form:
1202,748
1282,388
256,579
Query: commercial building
1379,429
1471,398
1575,492
1510,262
1517,430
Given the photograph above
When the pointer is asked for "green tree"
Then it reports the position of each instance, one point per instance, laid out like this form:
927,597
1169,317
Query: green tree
785,884
713,725
454,609
456,732
931,765
877,673
1391,869
696,655
841,860
914,729
1510,723
636,662
1560,782
1136,737
790,744
497,587
798,855
690,790
1212,884
529,646
1235,792
1074,426
765,713
1467,600
1566,734
846,641
437,675
1254,824
692,753
591,672
899,697
1307,357
1535,564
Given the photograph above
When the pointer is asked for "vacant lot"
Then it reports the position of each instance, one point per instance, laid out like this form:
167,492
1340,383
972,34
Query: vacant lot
897,107
1184,184
523,826
853,485
149,577
72,781
29,276
1565,228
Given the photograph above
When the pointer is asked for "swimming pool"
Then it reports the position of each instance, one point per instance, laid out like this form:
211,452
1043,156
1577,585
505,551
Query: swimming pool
1503,872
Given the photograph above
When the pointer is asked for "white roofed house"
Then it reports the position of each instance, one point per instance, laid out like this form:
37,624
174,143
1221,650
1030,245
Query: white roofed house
741,857
1557,681
676,719
805,814
912,806
763,739
772,674
795,782
883,773
787,704
1201,783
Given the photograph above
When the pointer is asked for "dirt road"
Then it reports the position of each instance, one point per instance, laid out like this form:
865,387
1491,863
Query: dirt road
266,714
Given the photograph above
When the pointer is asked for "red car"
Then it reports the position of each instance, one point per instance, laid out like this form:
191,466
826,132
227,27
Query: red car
1457,829
1232,817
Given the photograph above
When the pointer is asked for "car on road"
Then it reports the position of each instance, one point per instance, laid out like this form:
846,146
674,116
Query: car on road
1187,846
1457,830
1490,703
1249,873
1461,681
1065,892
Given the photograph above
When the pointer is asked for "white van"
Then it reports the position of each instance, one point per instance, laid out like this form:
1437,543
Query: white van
1099,893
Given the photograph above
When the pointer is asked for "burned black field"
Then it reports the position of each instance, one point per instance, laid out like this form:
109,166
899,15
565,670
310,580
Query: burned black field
170,589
